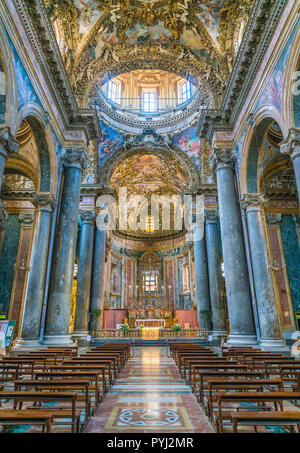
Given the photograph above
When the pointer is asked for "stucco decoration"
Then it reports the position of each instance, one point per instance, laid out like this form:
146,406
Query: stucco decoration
99,40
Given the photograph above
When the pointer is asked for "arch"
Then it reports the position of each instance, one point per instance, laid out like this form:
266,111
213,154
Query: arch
40,125
10,81
290,100
165,153
255,132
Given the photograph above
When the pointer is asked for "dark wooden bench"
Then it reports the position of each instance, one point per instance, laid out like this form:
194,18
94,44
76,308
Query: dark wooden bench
249,397
283,418
26,417
237,385
60,385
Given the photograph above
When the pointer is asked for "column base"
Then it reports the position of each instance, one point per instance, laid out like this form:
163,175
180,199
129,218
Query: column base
218,336
20,343
80,336
58,340
273,345
241,340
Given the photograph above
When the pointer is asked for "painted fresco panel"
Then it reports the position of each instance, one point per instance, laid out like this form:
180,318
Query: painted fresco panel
292,257
272,93
188,142
25,89
8,259
2,93
280,278
109,142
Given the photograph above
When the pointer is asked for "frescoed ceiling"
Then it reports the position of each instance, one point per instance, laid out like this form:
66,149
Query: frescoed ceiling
100,39
148,174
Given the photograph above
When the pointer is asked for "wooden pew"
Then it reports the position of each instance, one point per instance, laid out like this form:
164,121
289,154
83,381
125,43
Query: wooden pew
26,417
71,397
204,375
283,418
92,376
112,364
237,385
59,385
248,397
215,367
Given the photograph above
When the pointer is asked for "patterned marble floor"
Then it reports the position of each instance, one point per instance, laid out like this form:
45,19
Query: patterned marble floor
149,396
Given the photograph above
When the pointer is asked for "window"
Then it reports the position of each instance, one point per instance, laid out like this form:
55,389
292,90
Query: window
185,91
149,282
149,101
112,90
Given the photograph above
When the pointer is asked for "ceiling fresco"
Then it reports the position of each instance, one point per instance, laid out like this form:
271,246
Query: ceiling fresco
101,39
148,174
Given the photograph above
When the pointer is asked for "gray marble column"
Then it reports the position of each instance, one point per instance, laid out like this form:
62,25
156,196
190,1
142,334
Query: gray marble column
61,283
242,331
291,147
84,275
271,337
97,284
30,332
8,146
217,302
201,278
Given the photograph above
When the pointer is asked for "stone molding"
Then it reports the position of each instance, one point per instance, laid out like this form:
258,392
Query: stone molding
291,145
10,144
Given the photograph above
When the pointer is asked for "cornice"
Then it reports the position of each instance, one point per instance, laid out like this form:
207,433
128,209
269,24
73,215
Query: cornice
257,37
39,31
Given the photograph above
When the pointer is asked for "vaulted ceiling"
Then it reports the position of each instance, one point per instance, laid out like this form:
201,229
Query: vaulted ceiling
100,39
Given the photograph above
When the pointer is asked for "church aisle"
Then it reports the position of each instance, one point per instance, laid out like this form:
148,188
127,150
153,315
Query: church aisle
149,396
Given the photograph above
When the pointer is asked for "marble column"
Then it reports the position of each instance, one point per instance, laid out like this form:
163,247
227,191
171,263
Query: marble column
217,301
61,283
242,331
8,146
271,337
291,147
30,331
201,278
97,283
84,275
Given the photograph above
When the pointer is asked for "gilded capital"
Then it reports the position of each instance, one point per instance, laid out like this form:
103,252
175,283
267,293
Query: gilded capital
3,216
291,145
222,158
75,157
10,144
211,216
252,201
87,216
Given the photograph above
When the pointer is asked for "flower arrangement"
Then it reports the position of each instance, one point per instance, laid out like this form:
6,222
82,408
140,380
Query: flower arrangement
167,315
157,315
176,328
124,328
132,315
142,315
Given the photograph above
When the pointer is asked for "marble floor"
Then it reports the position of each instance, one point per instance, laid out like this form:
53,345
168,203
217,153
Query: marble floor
149,396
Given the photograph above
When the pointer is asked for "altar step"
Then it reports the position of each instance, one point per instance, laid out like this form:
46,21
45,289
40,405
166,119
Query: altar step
139,342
